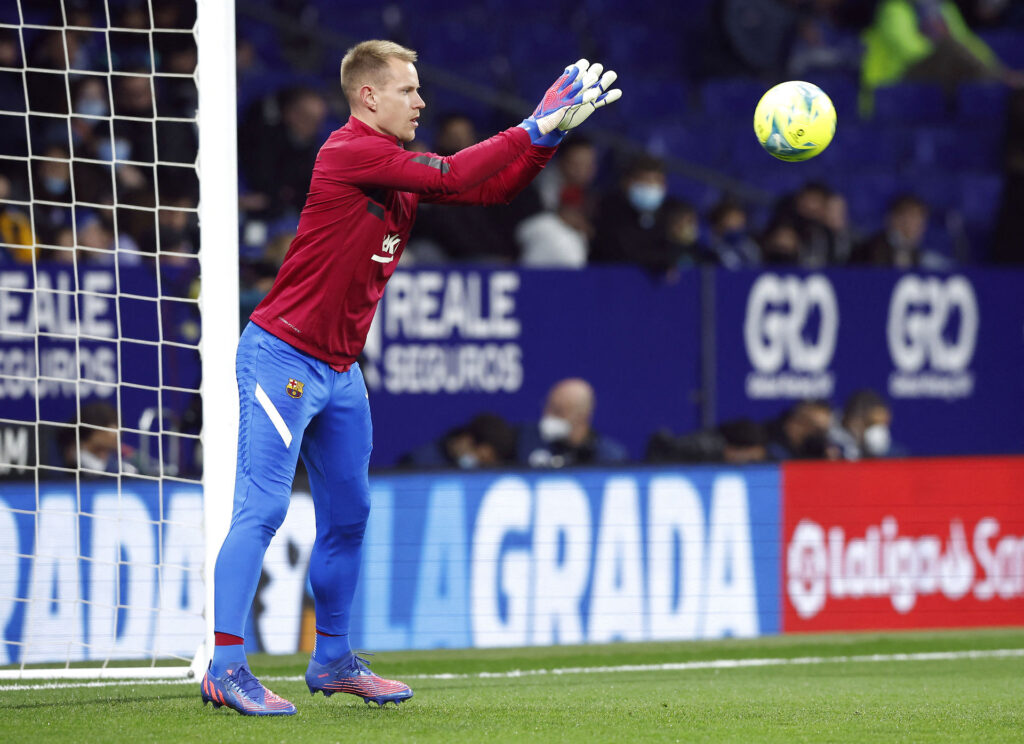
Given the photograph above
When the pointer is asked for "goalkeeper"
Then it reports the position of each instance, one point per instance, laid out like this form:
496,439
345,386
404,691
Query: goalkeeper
301,391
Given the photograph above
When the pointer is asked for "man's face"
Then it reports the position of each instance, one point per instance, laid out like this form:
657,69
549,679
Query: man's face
579,166
910,223
457,134
398,101
305,117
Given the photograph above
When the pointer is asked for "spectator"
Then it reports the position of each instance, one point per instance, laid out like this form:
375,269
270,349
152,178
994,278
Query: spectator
564,435
178,225
735,442
749,36
1008,248
464,232
925,41
15,229
553,239
93,446
819,45
487,441
865,430
12,94
802,433
805,210
633,222
731,245
560,234
900,244
574,171
781,244
837,221
683,224
279,138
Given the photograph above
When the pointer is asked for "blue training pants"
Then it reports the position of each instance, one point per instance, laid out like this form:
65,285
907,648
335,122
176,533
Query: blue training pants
292,404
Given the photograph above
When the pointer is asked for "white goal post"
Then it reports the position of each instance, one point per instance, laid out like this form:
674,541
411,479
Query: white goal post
107,572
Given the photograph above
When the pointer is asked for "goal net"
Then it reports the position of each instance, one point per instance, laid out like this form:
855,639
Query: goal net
118,322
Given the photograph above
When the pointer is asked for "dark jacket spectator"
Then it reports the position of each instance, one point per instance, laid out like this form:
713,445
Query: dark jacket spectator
564,435
284,130
486,441
634,223
736,442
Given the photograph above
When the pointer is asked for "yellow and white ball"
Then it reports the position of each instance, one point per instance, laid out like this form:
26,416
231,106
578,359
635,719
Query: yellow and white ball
795,121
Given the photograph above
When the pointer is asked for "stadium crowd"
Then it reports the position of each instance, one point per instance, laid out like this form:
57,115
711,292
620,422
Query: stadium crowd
565,437
603,200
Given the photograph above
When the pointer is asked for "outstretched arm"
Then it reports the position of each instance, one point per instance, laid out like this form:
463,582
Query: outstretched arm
375,162
505,185
581,90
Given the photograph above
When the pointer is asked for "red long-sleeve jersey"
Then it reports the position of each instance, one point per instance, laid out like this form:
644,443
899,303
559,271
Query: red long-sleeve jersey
359,211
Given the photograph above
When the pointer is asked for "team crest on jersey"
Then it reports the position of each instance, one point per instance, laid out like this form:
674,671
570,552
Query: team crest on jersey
294,388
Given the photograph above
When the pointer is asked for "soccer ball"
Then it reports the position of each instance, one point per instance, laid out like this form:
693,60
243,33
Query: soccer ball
795,121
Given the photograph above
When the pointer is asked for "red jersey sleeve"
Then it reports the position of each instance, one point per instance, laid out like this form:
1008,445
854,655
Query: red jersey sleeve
504,186
378,162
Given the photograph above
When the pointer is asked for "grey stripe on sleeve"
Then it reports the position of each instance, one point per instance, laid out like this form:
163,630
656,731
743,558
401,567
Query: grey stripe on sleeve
432,162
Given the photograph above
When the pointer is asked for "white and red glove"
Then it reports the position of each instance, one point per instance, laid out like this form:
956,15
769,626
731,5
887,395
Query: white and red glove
581,90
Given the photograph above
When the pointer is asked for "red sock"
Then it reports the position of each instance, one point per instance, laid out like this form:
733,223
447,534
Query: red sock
226,639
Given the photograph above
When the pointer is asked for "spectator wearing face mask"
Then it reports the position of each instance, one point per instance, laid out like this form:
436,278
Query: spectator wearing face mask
635,224
564,436
487,441
93,446
802,433
730,245
865,430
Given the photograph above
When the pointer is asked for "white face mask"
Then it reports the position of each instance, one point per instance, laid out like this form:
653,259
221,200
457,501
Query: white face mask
554,429
88,461
468,461
877,440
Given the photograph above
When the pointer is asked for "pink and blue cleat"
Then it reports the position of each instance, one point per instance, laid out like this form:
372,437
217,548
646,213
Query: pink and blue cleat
352,675
240,690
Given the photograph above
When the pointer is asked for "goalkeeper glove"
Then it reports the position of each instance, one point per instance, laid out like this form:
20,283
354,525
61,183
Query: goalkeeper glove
597,93
580,91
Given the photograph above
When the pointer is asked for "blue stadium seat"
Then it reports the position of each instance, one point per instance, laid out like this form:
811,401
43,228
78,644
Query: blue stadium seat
980,194
1008,45
868,194
910,103
936,185
957,147
729,96
842,89
981,102
693,143
699,194
664,99
864,145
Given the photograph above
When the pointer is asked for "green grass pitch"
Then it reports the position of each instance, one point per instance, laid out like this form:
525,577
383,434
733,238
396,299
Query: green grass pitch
957,699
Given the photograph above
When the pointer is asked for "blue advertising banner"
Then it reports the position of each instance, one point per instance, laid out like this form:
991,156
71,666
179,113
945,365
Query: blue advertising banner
73,335
946,350
539,559
448,344
100,571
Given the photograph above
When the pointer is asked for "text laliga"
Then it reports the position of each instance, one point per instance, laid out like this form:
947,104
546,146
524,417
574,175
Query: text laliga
884,563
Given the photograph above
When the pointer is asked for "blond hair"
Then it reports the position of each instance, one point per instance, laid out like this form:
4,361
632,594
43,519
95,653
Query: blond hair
367,62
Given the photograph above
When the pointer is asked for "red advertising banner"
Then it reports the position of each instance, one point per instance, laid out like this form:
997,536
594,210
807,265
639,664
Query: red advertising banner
903,544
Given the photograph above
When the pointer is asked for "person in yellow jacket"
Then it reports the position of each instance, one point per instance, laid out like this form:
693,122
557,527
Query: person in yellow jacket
925,41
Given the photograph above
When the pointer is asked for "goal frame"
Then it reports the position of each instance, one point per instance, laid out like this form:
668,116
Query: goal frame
217,167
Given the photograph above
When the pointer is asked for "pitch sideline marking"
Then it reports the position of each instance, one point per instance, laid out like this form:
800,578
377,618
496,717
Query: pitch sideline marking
1002,653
